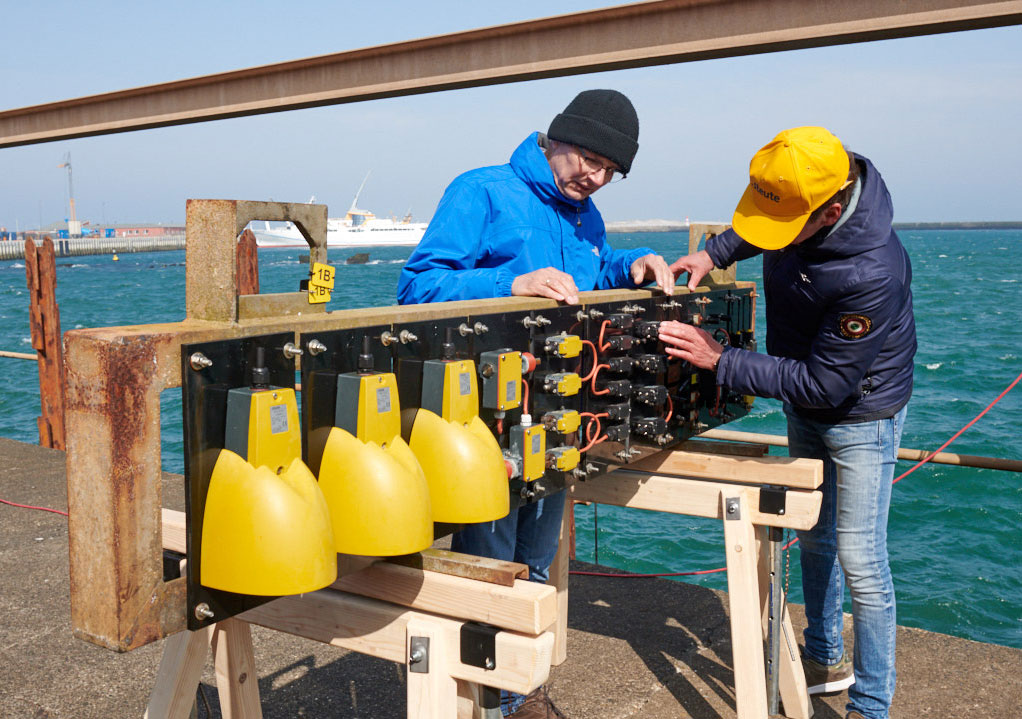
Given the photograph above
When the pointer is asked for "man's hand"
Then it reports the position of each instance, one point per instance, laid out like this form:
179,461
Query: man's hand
697,266
653,267
690,344
547,282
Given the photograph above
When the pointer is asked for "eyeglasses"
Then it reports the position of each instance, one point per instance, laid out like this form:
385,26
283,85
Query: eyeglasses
591,166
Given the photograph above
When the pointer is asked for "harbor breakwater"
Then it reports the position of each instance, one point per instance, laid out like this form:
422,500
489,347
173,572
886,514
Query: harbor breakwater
14,250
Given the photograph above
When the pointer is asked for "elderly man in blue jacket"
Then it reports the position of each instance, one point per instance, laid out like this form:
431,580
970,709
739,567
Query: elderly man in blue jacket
530,228
841,340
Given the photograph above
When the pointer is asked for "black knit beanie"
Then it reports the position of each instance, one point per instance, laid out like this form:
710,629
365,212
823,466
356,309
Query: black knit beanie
601,121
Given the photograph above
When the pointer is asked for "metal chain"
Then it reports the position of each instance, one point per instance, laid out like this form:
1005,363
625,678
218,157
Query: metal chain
787,565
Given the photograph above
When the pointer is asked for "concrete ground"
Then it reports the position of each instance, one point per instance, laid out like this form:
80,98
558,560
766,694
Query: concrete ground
647,648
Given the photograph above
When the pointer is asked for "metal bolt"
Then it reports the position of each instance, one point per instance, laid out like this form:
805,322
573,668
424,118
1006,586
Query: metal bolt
486,370
202,611
290,351
405,336
315,347
417,655
199,361
489,663
480,328
387,339
595,314
464,330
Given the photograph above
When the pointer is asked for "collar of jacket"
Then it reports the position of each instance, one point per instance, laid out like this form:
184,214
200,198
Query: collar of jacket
530,164
868,227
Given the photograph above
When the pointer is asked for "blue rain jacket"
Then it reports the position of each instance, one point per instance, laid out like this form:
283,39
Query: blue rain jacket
496,223
841,335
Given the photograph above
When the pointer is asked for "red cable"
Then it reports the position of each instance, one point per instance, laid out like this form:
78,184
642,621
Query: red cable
794,541
596,362
525,397
29,506
592,388
670,408
603,328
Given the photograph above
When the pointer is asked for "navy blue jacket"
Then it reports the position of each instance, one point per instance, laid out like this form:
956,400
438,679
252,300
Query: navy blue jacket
496,223
840,331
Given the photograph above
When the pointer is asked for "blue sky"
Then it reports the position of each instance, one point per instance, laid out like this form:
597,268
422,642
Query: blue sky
938,115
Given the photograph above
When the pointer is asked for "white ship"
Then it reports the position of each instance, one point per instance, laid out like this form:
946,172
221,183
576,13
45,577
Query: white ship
358,228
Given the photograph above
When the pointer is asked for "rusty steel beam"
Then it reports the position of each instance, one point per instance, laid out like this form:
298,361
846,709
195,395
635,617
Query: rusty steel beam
44,322
627,36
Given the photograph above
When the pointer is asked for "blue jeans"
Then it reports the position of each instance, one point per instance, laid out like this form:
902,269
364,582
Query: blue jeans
528,536
849,546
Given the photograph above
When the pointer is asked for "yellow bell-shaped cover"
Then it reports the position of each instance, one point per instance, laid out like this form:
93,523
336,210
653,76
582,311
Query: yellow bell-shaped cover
264,533
378,497
464,467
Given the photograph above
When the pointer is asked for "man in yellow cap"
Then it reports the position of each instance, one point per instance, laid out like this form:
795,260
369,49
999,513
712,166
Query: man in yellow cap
841,341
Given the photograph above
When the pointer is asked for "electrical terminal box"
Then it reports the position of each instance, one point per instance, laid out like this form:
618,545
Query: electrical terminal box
562,421
529,443
564,345
501,372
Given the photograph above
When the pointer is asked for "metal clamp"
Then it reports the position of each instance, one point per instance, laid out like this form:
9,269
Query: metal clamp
772,500
479,645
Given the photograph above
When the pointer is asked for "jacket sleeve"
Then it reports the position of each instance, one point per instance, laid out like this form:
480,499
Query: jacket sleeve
839,356
616,265
442,267
728,247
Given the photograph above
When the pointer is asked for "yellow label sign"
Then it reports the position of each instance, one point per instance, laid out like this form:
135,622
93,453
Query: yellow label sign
318,294
322,275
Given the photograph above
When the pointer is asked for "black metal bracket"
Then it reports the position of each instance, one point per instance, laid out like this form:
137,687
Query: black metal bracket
479,645
772,500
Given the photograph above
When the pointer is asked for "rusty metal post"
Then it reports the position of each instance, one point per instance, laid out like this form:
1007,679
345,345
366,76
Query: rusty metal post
248,264
44,320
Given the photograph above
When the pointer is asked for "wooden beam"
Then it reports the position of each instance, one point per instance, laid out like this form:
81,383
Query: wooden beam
780,471
526,607
184,656
378,628
698,498
627,36
234,661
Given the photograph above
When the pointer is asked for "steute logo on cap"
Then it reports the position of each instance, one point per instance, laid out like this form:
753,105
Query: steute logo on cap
791,176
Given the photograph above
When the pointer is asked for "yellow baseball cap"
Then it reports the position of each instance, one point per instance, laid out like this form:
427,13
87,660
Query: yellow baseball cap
791,176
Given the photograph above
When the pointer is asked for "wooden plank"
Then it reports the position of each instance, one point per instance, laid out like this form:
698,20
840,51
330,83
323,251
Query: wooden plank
526,607
559,572
378,628
743,598
184,655
432,694
780,471
698,498
236,678
484,569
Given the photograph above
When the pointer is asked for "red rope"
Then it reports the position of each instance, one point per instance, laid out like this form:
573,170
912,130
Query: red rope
29,506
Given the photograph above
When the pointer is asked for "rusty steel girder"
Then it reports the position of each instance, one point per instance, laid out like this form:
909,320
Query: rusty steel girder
637,35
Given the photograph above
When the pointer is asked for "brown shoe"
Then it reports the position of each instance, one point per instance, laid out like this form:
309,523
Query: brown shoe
827,679
538,705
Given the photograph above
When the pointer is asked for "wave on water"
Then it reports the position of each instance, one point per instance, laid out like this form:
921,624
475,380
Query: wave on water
934,365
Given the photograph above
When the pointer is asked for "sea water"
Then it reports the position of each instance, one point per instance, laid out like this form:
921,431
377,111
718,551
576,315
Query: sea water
954,532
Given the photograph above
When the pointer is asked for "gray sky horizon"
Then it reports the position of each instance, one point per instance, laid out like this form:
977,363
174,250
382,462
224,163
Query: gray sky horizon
938,115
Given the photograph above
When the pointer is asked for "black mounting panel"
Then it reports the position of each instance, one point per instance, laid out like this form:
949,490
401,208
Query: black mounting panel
204,409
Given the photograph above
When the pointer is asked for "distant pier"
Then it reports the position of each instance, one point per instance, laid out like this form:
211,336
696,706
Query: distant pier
13,249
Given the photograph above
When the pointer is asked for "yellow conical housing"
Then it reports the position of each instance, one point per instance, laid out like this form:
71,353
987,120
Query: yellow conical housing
464,467
264,533
378,497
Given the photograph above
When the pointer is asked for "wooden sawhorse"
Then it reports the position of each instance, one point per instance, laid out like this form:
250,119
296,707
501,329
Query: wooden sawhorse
750,495
404,614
